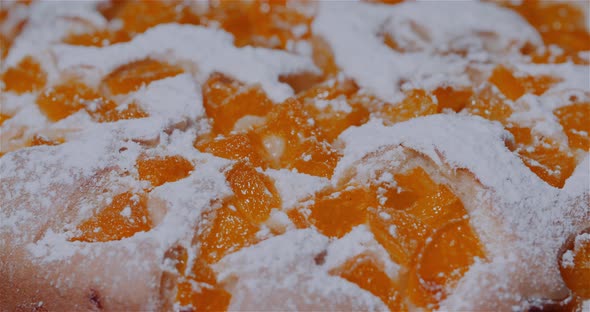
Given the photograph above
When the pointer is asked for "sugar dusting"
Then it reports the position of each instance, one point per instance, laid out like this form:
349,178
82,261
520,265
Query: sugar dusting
534,217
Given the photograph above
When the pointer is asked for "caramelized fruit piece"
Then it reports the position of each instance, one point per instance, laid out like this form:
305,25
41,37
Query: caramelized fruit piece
335,214
241,146
574,264
132,76
109,112
364,272
67,98
226,101
292,142
160,170
417,103
331,108
98,38
254,193
27,76
229,232
575,120
452,98
126,215
409,188
446,256
437,209
548,161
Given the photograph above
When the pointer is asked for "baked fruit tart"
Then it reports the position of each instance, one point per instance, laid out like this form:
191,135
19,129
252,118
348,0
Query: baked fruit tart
288,155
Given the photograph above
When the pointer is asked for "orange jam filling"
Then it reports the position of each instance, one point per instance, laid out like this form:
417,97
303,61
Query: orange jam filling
26,76
126,215
130,77
160,170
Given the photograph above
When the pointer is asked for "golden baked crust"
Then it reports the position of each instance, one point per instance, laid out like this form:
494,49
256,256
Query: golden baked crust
286,155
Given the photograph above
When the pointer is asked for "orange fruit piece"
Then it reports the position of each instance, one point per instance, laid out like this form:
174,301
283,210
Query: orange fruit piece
228,232
363,271
254,193
26,76
509,85
575,270
240,146
206,298
332,120
410,186
417,103
108,112
132,76
292,142
443,260
138,16
159,170
335,214
3,118
126,215
67,98
97,38
575,120
452,98
549,162
400,233
489,105
437,209
226,101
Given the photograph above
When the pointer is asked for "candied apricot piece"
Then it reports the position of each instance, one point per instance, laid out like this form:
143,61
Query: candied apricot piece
179,256
254,193
109,112
26,76
400,233
417,103
3,118
298,218
291,141
410,186
226,101
138,16
206,298
132,76
159,170
364,272
436,210
452,98
574,264
98,38
443,260
489,105
509,85
549,162
575,120
67,98
241,146
126,215
229,232
335,214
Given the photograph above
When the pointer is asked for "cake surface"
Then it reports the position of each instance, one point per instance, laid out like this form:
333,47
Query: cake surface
294,155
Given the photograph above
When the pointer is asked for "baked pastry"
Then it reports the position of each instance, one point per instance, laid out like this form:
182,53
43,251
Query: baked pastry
287,155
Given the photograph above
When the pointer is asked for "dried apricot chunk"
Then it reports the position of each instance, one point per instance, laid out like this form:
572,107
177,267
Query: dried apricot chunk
228,232
363,271
42,140
489,105
443,260
64,99
417,103
26,76
452,98
575,120
226,101
3,118
239,146
110,112
126,215
574,264
508,84
254,193
548,161
160,170
132,76
138,16
335,214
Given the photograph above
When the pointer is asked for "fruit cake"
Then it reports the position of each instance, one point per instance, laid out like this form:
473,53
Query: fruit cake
294,155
